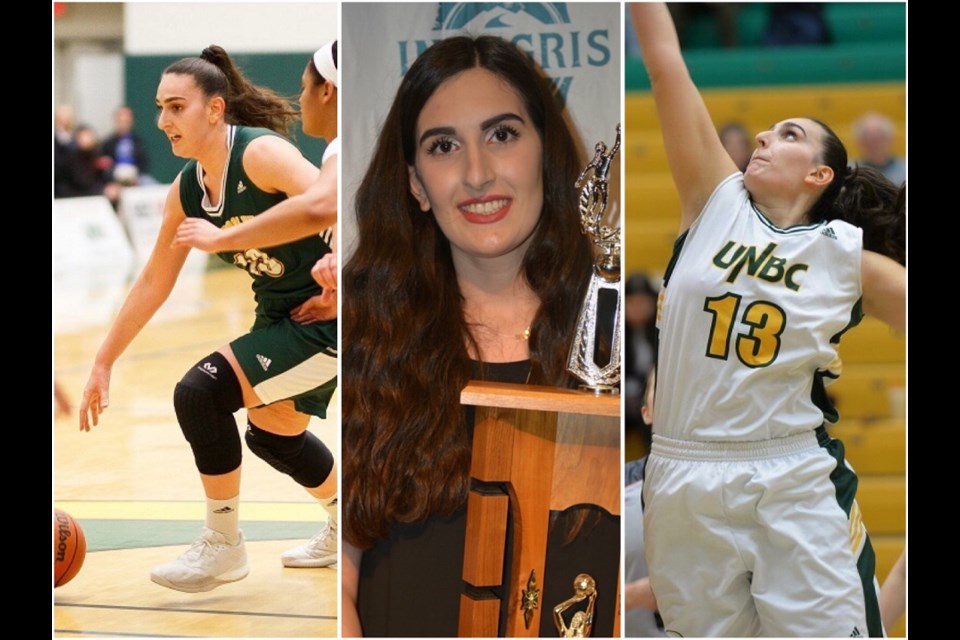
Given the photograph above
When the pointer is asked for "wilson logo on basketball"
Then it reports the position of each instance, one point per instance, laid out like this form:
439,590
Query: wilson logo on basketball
63,534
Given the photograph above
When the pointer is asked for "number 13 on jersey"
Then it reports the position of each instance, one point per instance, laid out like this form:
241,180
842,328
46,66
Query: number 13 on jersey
759,345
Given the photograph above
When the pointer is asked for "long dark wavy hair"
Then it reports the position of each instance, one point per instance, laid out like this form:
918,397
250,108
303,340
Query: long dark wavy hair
216,74
405,357
863,197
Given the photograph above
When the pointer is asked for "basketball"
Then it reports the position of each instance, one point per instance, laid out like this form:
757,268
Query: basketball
69,548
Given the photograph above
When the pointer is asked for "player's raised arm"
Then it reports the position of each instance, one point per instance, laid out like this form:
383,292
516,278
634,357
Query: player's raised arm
697,160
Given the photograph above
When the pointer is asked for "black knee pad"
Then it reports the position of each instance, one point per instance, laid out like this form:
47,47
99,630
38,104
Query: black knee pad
304,457
205,400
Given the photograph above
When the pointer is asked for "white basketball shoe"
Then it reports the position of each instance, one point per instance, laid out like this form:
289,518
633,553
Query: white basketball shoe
320,551
208,563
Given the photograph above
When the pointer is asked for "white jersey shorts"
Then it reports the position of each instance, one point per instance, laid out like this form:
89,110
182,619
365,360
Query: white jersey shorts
758,539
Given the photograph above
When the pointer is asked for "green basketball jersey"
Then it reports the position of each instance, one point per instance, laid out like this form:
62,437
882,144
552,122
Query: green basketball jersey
281,275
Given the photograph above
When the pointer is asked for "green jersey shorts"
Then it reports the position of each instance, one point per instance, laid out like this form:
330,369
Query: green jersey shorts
284,359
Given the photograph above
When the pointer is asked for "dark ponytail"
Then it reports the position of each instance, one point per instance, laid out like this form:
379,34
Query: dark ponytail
863,197
870,201
247,104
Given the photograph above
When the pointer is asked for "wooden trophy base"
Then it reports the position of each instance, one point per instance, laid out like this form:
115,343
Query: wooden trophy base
551,448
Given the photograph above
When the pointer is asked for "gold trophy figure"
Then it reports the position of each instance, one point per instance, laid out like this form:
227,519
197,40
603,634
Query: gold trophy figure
581,624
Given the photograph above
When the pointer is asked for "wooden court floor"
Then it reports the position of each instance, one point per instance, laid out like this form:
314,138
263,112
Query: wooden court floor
132,485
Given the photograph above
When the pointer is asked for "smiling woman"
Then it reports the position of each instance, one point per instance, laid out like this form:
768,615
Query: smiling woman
469,264
479,170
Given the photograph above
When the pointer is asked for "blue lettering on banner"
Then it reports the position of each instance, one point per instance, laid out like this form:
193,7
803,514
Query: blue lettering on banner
593,40
453,16
555,50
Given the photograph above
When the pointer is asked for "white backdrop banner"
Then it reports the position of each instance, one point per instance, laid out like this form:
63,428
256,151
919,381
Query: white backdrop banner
141,211
576,44
88,237
92,262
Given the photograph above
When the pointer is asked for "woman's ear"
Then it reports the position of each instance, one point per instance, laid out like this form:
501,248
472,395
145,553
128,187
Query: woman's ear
329,92
416,188
821,176
216,108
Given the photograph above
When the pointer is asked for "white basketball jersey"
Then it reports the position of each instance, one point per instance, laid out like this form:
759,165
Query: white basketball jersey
750,317
333,149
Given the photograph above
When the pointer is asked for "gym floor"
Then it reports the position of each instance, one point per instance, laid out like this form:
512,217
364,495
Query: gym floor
132,485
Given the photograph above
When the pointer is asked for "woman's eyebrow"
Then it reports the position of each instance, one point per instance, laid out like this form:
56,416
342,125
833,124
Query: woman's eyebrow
495,120
789,124
437,131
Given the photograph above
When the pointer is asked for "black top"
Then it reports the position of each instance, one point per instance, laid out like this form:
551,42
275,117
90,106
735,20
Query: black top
410,582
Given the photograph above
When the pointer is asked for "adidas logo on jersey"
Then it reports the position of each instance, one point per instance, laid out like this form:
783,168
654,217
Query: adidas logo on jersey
856,632
241,187
264,361
829,232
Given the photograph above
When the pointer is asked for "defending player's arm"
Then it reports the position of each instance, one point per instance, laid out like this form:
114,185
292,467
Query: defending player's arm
696,157
277,165
150,290
893,595
350,576
300,215
884,283
322,307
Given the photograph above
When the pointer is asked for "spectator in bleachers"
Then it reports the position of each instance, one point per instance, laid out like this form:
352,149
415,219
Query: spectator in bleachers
739,144
62,145
874,134
126,151
63,127
640,313
85,172
796,23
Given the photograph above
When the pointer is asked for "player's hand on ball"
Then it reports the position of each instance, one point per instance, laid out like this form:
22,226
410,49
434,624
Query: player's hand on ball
316,309
96,397
199,234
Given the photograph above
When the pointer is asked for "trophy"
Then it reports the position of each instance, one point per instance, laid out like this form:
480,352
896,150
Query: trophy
595,352
581,624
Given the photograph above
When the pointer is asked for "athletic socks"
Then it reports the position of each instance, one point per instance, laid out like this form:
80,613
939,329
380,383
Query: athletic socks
222,517
330,506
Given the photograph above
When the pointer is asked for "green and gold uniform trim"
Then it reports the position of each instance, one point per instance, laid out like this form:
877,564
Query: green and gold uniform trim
797,228
845,483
